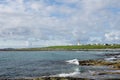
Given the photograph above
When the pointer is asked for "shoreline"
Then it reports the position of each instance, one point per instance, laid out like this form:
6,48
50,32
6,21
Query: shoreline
108,47
58,78
64,50
113,65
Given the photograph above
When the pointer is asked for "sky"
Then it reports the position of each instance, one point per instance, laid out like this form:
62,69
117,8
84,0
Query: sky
26,23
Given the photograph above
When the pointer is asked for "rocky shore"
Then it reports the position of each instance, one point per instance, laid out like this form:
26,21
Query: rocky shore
59,78
69,78
113,64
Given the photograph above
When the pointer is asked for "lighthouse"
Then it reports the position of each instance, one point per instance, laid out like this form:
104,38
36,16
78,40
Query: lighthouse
78,43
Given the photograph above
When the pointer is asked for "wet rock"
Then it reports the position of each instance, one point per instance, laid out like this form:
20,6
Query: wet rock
61,78
115,54
115,64
105,73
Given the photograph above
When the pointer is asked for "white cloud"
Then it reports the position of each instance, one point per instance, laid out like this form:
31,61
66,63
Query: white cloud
87,20
68,1
13,44
113,36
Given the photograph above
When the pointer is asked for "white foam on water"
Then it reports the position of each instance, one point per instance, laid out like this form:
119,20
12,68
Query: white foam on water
68,74
110,59
118,56
72,74
73,61
113,71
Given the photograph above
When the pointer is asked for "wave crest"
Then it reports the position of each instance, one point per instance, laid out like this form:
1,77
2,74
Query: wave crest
73,61
72,74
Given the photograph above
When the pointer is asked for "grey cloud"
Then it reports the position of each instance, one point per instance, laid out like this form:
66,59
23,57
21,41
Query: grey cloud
86,20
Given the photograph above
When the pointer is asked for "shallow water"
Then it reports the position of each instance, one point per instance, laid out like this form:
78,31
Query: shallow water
16,64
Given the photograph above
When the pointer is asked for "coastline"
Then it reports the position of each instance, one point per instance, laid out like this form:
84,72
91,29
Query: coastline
69,48
114,50
58,78
97,62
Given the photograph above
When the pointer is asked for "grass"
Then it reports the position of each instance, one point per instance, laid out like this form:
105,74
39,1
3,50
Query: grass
73,47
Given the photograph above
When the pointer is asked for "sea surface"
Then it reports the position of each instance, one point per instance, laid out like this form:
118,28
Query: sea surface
26,64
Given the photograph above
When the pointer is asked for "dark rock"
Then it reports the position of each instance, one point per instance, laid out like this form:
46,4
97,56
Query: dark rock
115,64
61,78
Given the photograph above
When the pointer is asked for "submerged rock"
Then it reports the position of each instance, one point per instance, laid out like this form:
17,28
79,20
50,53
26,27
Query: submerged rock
115,54
115,64
61,78
104,73
69,78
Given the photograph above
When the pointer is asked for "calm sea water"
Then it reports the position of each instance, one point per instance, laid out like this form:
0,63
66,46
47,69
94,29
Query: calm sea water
16,64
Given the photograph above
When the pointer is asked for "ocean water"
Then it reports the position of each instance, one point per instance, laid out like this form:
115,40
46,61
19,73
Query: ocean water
23,64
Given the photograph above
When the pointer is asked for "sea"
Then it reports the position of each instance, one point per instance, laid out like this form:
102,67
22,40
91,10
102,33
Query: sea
32,64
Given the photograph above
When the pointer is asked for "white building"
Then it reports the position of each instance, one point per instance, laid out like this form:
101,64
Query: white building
78,43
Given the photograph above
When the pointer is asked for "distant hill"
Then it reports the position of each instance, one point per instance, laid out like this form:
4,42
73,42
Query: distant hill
72,48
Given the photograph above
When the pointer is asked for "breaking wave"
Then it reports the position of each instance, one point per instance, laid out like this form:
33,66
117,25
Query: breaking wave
110,59
73,61
72,74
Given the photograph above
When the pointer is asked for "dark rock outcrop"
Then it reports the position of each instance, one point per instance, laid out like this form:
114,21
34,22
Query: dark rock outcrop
115,64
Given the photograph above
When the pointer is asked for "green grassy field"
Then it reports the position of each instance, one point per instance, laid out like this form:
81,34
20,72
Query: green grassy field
73,47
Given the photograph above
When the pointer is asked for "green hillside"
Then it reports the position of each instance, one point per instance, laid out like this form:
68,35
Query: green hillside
73,47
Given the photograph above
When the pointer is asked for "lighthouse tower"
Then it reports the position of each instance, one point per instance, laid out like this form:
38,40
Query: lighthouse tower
78,43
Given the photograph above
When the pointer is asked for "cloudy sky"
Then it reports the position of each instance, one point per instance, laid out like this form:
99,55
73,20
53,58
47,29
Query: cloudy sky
58,22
